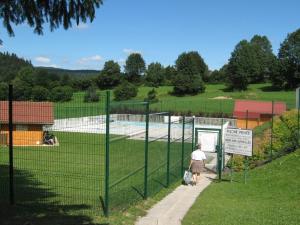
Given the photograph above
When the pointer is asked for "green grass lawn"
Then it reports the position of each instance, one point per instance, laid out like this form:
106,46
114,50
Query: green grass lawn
204,103
67,181
270,197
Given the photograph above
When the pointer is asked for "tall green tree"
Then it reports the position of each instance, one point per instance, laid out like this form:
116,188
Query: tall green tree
170,74
265,57
135,67
22,90
251,62
3,91
110,76
53,12
263,43
155,75
242,66
190,70
289,62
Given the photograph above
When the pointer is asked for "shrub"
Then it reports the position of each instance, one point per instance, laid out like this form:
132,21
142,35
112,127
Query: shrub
62,94
40,93
151,96
183,84
91,95
285,134
125,91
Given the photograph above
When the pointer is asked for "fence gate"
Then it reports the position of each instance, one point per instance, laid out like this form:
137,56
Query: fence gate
211,142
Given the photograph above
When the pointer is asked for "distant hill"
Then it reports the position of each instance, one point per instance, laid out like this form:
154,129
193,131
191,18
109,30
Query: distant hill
77,73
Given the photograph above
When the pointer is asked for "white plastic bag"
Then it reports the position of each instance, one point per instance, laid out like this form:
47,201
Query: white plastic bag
188,177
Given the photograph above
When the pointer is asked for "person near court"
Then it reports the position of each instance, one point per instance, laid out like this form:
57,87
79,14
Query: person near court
197,163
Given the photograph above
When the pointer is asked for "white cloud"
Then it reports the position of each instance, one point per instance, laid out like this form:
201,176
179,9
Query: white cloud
129,51
95,58
42,59
82,26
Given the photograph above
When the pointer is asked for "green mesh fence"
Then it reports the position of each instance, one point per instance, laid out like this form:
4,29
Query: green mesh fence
4,154
84,158
59,156
127,133
188,141
157,152
176,149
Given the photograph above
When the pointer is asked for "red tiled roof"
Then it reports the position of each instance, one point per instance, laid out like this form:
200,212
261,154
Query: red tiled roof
28,112
257,108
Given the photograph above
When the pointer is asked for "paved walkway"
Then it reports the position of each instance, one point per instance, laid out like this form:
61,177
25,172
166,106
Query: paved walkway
172,209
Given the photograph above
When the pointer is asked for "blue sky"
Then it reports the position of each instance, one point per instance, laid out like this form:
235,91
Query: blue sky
159,29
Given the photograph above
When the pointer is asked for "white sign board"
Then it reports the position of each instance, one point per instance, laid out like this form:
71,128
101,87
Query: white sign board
238,141
208,141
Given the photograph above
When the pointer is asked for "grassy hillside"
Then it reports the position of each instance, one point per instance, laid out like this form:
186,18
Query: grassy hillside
271,196
206,102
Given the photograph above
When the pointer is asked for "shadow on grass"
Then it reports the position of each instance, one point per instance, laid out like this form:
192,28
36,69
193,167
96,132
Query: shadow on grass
269,88
216,180
227,89
33,205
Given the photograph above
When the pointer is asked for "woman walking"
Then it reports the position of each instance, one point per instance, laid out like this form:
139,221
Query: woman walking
197,163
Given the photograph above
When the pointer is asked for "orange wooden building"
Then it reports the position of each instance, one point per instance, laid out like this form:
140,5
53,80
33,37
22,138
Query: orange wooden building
259,112
28,121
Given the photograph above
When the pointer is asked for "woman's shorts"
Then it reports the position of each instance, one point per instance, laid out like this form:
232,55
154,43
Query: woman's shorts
197,166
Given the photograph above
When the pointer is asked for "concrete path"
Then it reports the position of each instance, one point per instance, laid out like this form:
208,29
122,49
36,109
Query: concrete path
172,209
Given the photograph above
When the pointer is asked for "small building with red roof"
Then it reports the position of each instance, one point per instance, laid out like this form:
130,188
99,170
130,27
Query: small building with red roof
28,121
250,113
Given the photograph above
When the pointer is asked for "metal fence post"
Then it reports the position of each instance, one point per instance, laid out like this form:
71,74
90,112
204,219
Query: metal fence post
219,158
11,153
272,130
182,145
169,149
247,117
193,133
221,146
106,208
246,157
146,152
298,116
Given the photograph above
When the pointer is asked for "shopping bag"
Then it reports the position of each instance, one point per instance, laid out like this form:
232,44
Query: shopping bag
187,177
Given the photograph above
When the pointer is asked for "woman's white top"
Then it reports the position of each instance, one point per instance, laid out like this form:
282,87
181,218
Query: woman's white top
198,155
